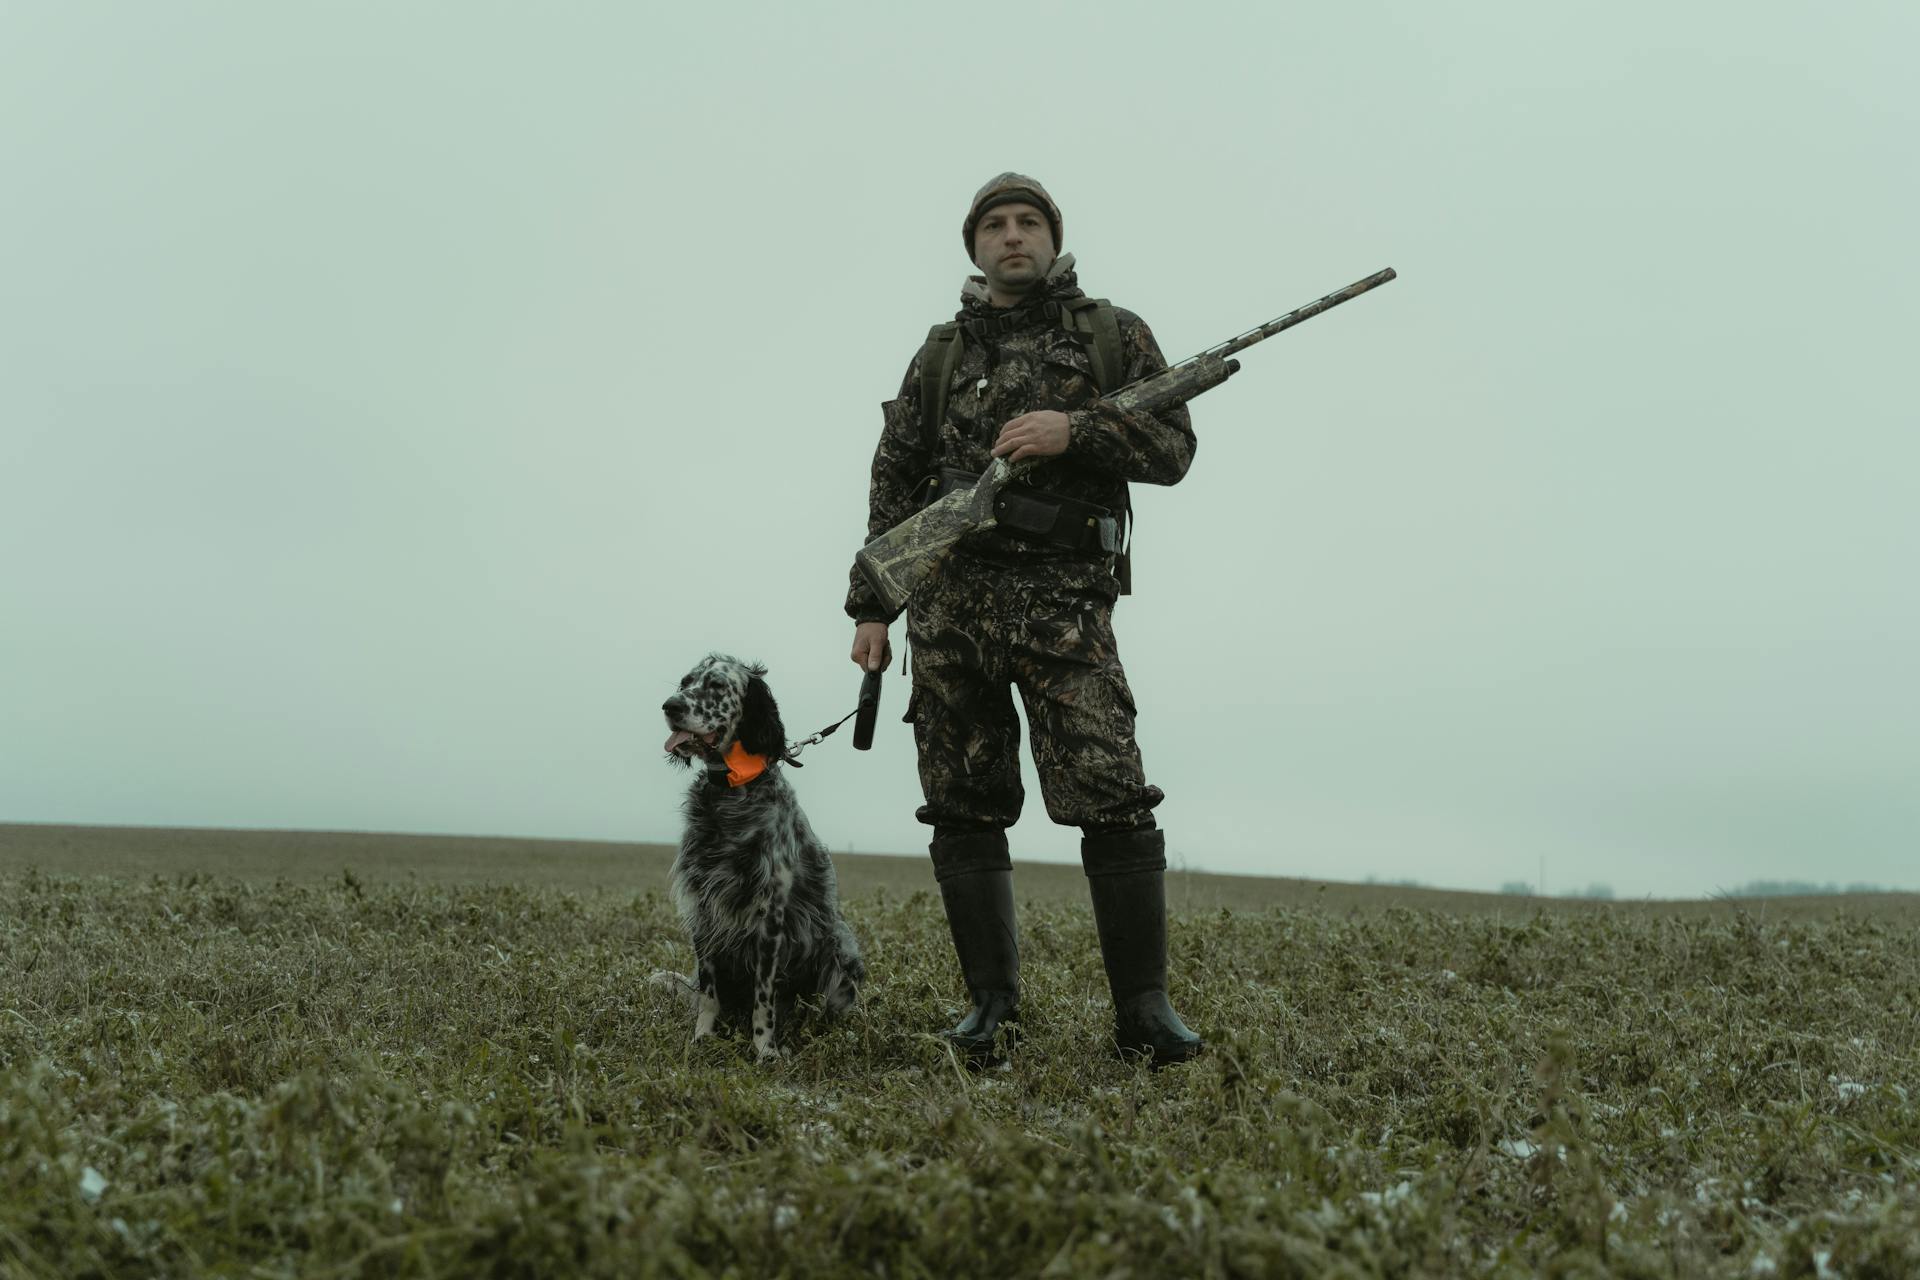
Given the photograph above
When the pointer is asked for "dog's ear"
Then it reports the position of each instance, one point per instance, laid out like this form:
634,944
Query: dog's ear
760,729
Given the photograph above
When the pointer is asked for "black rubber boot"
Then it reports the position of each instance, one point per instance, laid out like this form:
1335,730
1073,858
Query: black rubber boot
1126,873
976,886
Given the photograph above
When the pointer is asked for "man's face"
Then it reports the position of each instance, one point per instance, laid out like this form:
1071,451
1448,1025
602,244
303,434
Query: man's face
1013,246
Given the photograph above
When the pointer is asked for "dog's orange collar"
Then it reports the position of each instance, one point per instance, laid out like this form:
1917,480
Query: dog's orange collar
743,766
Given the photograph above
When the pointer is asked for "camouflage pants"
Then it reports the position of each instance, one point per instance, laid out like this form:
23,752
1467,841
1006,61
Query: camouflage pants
979,631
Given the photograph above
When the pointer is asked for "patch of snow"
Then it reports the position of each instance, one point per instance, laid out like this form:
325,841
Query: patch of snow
1391,1196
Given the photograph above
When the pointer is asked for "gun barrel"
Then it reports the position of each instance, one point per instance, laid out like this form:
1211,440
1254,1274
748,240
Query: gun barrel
1300,314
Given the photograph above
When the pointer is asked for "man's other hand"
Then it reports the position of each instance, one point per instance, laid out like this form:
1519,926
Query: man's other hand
871,649
1033,435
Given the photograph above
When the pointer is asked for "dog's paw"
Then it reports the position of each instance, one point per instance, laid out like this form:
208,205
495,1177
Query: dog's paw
768,1052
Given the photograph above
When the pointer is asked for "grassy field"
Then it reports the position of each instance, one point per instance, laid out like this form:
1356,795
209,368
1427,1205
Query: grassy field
447,1068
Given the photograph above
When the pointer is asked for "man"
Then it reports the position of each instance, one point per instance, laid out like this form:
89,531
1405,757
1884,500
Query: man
1017,376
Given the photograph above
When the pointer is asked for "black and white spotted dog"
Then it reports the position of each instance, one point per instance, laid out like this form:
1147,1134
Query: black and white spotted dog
753,884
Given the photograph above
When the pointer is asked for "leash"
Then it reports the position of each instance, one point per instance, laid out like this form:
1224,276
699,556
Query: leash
792,753
868,710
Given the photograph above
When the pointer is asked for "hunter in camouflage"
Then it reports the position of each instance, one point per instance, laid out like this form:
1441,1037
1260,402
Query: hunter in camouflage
1028,606
1012,361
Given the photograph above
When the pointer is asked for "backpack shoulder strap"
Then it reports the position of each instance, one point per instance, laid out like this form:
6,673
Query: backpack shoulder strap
1094,322
1099,327
938,359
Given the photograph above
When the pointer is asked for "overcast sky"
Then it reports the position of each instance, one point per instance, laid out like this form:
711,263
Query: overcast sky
396,399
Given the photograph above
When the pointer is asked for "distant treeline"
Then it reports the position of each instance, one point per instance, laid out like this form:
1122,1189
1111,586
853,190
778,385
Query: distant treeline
1801,889
1751,889
1526,888
1604,892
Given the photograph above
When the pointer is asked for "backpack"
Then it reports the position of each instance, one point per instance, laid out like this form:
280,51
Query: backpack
1091,322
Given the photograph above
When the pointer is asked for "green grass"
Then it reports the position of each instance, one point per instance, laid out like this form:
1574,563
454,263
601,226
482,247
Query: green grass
205,1075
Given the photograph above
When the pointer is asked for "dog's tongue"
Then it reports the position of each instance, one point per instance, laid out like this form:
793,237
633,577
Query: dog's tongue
679,736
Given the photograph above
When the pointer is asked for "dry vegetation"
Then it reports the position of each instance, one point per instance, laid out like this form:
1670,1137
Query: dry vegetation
341,1073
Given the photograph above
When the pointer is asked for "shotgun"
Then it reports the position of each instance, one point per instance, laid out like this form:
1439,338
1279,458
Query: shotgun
897,562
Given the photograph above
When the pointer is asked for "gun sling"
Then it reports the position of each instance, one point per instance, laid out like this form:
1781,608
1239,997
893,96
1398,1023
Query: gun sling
1039,514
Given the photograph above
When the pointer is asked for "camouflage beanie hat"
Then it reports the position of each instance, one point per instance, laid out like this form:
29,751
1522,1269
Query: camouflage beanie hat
1010,188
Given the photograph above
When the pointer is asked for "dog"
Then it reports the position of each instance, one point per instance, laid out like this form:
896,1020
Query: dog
753,885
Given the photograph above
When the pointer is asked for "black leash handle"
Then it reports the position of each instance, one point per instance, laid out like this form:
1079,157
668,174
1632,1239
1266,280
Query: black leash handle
867,713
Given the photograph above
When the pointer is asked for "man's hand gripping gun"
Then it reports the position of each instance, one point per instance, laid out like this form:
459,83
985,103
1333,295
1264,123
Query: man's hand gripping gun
898,562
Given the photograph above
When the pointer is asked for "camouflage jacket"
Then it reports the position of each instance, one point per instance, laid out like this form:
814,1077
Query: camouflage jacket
1036,365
